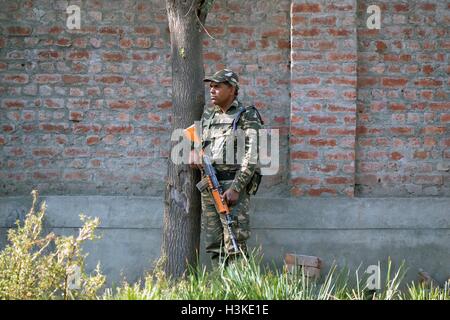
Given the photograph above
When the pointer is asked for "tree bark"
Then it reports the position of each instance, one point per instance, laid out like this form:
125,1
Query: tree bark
182,208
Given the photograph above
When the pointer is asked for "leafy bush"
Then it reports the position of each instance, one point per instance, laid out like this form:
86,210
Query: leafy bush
34,266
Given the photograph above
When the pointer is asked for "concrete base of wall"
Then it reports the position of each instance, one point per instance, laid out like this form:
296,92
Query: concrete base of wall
350,232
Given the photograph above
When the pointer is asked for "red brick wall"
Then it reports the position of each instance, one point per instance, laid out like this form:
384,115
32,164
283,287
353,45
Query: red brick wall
84,111
323,105
403,137
360,112
253,39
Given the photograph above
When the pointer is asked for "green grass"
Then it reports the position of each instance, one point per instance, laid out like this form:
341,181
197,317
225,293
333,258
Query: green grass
249,279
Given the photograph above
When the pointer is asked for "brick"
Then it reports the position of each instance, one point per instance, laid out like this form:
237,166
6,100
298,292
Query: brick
304,155
323,119
428,83
303,260
51,175
428,6
53,103
16,78
240,30
44,152
147,30
314,32
13,103
305,131
431,130
306,8
121,104
321,94
428,180
396,156
19,31
86,128
339,32
54,127
272,58
402,130
14,152
339,180
8,128
63,42
110,30
397,107
394,82
75,152
145,56
322,142
76,176
165,105
341,57
75,79
440,106
320,191
296,20
341,81
322,45
92,140
367,82
339,156
305,180
216,30
283,44
420,154
323,168
445,118
114,56
110,79
119,129
47,78
324,21
124,43
212,56
78,55
306,56
340,131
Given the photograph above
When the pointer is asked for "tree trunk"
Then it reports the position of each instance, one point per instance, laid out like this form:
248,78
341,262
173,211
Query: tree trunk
182,208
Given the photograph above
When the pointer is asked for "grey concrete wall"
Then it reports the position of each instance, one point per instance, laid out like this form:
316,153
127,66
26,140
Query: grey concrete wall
347,231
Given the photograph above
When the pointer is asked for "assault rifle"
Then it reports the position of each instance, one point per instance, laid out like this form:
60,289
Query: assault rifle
211,183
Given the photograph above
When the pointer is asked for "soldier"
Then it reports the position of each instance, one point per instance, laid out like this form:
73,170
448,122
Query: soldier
241,177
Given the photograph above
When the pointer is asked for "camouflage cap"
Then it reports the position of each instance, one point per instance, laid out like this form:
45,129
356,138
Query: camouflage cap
225,75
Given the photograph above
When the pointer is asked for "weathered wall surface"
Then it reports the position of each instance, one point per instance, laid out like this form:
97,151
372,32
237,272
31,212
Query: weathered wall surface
360,111
403,117
323,105
349,232
88,111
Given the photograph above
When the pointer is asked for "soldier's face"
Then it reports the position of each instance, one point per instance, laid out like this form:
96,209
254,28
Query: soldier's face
221,93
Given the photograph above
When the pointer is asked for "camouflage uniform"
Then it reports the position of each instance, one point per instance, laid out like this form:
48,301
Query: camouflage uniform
216,129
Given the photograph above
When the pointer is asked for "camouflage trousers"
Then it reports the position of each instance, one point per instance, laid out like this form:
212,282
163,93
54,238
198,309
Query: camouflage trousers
214,225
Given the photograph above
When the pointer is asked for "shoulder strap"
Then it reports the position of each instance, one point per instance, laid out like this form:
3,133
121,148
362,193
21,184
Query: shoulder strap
239,114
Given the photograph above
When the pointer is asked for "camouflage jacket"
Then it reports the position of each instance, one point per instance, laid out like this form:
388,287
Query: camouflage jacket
242,145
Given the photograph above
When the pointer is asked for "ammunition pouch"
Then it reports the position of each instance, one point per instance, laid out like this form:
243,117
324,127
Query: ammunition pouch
255,181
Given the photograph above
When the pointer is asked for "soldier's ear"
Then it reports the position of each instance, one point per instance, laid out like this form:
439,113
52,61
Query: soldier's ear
234,89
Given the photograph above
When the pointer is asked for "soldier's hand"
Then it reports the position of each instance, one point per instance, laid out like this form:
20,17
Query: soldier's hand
230,197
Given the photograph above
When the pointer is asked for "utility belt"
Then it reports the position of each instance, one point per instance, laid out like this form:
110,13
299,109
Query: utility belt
252,186
225,175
